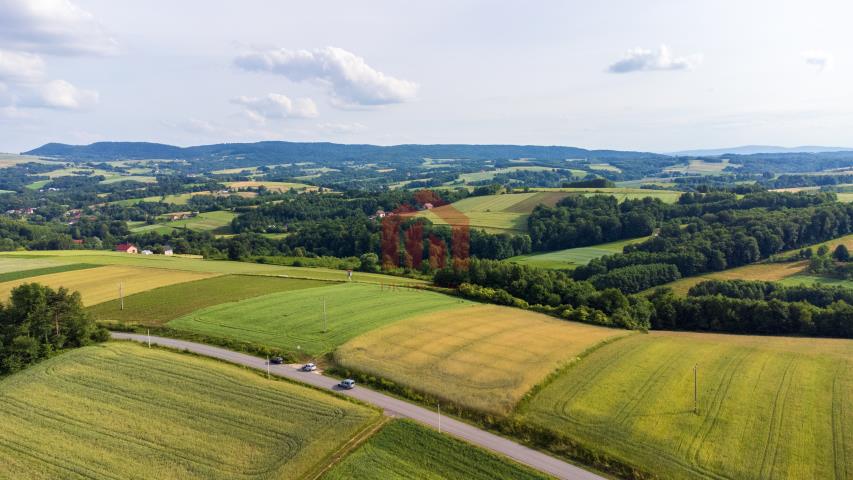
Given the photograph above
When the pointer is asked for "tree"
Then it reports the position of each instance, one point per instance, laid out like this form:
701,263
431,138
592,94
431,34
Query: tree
369,262
822,250
841,253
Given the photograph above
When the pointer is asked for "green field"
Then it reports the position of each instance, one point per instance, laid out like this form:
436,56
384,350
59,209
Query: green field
573,257
293,320
493,213
34,272
196,265
621,194
158,306
203,222
404,450
121,410
38,185
178,199
769,407
816,279
701,167
490,174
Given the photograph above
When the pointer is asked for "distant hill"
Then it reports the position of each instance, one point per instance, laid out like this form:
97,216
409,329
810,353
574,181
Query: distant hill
288,152
753,149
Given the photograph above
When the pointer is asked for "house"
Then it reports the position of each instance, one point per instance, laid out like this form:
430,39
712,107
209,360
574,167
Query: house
77,241
126,248
168,251
428,206
147,252
380,213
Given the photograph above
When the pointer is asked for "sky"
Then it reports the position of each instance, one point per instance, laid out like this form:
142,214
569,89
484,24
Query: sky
653,75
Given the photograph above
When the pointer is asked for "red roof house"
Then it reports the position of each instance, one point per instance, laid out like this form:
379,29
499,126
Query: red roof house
126,248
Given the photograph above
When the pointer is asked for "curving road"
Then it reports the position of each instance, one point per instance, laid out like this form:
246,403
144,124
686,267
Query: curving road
391,405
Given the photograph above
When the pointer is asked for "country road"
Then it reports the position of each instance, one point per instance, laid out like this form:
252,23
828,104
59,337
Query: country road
391,406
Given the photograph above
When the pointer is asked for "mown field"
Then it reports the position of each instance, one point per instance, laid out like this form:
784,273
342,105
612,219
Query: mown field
293,320
158,306
816,279
56,257
101,284
572,257
482,357
274,186
769,407
121,410
35,272
405,450
697,166
621,194
203,222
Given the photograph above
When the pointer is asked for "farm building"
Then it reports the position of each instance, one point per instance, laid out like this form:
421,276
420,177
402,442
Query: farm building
126,248
168,251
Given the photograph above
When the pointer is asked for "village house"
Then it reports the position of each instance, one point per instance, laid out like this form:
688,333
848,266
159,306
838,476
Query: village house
126,248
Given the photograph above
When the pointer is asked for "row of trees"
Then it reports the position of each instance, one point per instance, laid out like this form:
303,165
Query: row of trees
817,295
38,322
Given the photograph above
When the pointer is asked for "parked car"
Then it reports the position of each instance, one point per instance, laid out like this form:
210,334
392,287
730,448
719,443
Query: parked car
276,360
347,384
309,367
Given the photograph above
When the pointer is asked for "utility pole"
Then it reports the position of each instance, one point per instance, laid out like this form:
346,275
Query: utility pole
268,368
121,294
149,338
439,417
696,389
324,315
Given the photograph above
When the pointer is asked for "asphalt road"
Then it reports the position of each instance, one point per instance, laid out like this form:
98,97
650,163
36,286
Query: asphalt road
391,405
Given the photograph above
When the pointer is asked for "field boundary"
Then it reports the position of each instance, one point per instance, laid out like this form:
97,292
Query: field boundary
359,439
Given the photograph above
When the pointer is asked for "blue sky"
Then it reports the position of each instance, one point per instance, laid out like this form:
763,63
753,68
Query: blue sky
652,75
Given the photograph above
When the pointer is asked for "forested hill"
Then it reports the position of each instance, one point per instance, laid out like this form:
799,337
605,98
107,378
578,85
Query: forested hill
321,153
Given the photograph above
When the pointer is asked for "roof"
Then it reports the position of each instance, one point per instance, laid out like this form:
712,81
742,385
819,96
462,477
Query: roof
123,247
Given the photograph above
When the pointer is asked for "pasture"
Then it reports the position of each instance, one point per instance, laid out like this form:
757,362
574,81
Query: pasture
293,320
816,279
207,221
490,174
97,285
771,272
701,167
35,272
621,194
405,450
572,257
769,407
202,266
121,410
483,357
158,306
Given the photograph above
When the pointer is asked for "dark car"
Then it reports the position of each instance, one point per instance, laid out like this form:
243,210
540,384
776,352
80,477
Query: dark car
276,360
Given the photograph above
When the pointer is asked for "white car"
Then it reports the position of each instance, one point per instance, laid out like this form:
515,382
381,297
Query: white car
309,367
347,384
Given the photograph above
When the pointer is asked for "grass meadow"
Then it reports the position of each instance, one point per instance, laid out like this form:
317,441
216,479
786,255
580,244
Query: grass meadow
203,222
483,357
120,410
293,320
160,305
273,186
573,257
405,450
101,284
769,407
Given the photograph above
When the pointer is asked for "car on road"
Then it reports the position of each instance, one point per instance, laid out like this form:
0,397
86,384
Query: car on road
347,384
276,360
309,367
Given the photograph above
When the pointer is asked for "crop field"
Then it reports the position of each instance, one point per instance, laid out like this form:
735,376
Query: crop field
768,407
845,197
274,186
121,410
405,450
178,199
572,257
97,285
484,357
10,160
293,320
158,306
621,194
493,213
604,167
12,264
202,266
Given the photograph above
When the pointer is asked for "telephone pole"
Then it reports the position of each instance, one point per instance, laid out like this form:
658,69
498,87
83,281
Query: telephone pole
121,294
439,417
696,389
324,315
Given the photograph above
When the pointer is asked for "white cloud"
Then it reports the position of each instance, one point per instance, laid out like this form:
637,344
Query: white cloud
60,95
821,60
350,80
20,67
641,59
276,106
54,27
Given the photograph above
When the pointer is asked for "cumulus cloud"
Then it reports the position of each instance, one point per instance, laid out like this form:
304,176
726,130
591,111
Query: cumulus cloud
821,60
350,80
641,59
20,67
276,106
59,95
55,27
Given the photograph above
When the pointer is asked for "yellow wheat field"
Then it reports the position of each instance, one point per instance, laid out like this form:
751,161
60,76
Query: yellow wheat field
101,284
484,357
